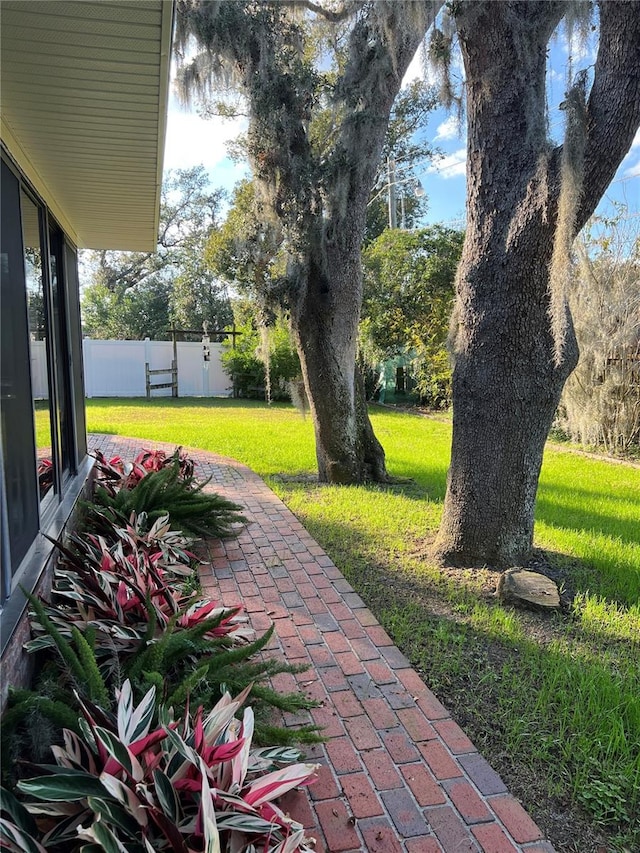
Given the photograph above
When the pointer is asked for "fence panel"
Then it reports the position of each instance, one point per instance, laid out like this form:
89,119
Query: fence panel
39,381
117,368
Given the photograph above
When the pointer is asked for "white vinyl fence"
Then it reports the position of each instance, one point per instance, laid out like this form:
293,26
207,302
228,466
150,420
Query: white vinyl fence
117,369
39,380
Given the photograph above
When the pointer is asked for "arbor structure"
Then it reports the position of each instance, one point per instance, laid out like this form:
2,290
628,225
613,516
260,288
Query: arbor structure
512,336
140,294
319,102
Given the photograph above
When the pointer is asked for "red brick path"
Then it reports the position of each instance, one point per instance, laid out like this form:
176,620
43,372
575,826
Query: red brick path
398,775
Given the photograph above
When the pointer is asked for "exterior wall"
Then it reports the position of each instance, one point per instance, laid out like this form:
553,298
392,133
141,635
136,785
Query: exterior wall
15,663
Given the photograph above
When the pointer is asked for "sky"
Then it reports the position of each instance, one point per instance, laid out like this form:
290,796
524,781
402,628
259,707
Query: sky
192,140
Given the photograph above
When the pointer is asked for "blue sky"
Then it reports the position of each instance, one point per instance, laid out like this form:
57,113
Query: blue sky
192,140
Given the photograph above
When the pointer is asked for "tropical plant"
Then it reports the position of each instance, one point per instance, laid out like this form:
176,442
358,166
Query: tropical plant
141,621
165,487
128,597
190,784
45,476
115,473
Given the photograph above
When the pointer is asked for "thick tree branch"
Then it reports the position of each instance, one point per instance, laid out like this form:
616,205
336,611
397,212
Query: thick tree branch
374,72
613,109
335,16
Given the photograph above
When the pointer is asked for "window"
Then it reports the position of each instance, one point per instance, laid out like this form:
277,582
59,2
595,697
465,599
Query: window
41,390
20,516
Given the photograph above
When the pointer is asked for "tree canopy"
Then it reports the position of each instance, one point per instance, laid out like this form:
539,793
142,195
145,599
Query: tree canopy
140,294
408,295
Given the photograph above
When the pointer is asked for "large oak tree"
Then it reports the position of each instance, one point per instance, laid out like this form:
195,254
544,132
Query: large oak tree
315,138
512,337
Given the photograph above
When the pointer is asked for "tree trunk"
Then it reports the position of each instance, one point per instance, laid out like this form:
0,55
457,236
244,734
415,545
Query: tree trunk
509,370
325,324
506,388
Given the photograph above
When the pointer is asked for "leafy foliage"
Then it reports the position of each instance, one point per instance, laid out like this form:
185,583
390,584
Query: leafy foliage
405,143
168,490
126,594
194,783
134,313
123,606
247,362
45,476
134,295
408,296
318,100
244,250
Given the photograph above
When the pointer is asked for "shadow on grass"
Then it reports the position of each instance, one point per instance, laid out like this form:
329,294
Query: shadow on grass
614,574
183,403
561,720
556,506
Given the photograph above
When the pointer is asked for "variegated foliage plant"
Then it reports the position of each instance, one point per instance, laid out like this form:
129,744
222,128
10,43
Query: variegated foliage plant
156,484
128,586
188,786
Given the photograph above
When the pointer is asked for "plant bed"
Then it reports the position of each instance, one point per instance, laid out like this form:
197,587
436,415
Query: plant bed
127,623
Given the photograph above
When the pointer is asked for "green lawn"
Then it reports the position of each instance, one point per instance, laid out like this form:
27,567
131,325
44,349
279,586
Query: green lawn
553,702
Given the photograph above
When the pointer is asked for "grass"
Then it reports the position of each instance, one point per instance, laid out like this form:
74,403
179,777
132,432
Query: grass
43,425
554,702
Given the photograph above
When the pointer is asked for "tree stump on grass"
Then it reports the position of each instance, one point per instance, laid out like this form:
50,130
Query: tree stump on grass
528,589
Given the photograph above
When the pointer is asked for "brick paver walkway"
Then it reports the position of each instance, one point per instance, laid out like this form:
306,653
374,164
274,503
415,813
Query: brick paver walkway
397,775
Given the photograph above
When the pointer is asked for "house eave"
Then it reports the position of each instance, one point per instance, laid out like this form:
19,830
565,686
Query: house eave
84,102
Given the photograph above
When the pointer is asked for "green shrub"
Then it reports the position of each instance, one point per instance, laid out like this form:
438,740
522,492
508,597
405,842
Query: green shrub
168,492
246,361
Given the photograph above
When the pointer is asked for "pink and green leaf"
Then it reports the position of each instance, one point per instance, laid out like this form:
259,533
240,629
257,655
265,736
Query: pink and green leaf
276,784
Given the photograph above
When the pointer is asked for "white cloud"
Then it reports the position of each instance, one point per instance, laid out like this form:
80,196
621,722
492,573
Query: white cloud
555,76
630,166
192,140
421,69
582,50
451,166
449,129
416,70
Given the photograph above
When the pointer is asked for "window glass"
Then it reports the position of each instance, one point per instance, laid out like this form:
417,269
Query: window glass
19,513
38,343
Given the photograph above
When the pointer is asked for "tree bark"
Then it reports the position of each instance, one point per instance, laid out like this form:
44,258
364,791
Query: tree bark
508,374
325,325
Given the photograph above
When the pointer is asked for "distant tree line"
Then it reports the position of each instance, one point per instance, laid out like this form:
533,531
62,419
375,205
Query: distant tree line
133,295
